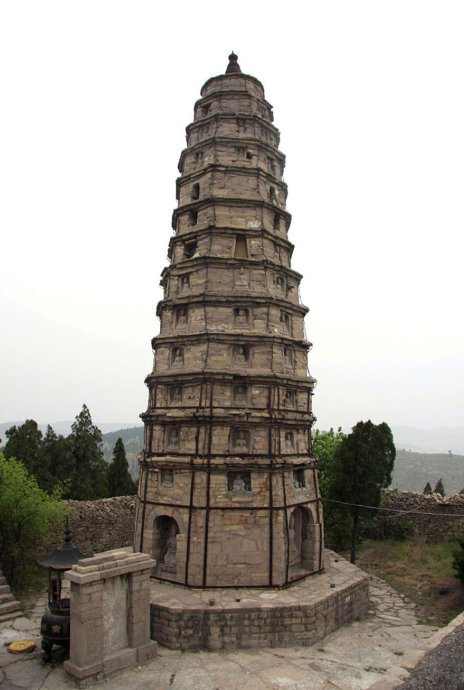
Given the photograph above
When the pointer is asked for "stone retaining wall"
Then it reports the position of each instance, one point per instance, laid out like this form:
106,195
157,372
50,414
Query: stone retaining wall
100,525
433,518
226,619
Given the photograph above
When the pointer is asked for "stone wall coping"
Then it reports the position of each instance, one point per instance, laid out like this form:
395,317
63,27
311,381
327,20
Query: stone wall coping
108,564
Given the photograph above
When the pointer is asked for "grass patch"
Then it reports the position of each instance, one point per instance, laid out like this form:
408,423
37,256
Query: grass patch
421,572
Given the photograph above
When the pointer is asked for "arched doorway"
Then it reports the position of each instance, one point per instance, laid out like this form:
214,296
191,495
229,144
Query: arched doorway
301,547
164,551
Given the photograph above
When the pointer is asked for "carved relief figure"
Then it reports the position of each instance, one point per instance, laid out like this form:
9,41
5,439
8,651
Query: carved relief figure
240,316
240,354
289,442
240,395
177,357
240,441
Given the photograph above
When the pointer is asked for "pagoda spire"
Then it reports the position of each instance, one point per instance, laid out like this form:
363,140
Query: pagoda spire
233,67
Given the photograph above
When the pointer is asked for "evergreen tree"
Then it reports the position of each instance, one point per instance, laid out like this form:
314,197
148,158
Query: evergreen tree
363,467
25,443
120,483
427,490
89,470
59,459
439,488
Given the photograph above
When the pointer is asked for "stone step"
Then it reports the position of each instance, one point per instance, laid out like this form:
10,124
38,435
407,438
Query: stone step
9,607
2,580
7,596
4,588
4,617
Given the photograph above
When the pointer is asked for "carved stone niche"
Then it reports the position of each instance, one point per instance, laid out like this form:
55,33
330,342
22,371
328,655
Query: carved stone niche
240,394
172,439
241,317
175,395
238,481
289,442
241,355
167,478
289,401
240,440
241,278
177,357
280,286
285,322
184,282
289,358
181,317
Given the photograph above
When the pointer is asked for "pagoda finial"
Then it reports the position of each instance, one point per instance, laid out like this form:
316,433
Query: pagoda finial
233,67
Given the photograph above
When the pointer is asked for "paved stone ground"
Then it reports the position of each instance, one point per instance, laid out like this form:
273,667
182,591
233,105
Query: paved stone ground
364,654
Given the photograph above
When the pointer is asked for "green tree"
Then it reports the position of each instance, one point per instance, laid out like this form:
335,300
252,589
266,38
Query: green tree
29,519
89,470
120,483
362,468
439,488
458,558
59,460
25,442
427,489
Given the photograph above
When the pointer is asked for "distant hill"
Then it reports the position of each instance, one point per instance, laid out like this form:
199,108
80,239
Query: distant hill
64,428
413,470
133,443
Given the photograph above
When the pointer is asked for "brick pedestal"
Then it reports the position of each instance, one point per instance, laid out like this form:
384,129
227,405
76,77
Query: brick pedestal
110,614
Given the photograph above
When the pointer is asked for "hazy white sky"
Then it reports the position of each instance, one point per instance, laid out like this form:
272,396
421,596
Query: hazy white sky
369,100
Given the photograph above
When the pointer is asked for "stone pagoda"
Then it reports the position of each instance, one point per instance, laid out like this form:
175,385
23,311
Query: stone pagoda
228,492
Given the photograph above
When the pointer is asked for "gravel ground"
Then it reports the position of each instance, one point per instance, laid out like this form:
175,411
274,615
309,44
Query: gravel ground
442,668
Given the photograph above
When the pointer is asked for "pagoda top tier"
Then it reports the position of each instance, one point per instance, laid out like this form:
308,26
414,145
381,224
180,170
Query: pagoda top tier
233,80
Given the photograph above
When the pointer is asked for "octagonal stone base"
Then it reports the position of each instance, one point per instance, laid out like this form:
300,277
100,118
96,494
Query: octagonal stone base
301,614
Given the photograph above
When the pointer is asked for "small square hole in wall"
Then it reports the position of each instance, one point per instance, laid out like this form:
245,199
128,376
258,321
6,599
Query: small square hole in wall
238,481
249,155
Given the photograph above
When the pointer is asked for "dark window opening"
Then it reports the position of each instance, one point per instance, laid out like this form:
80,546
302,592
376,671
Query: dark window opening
238,481
190,249
249,155
276,221
198,157
193,217
195,191
205,109
288,357
272,194
299,480
241,250
285,321
280,286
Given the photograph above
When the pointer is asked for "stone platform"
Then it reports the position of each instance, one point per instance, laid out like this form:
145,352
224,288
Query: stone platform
230,619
